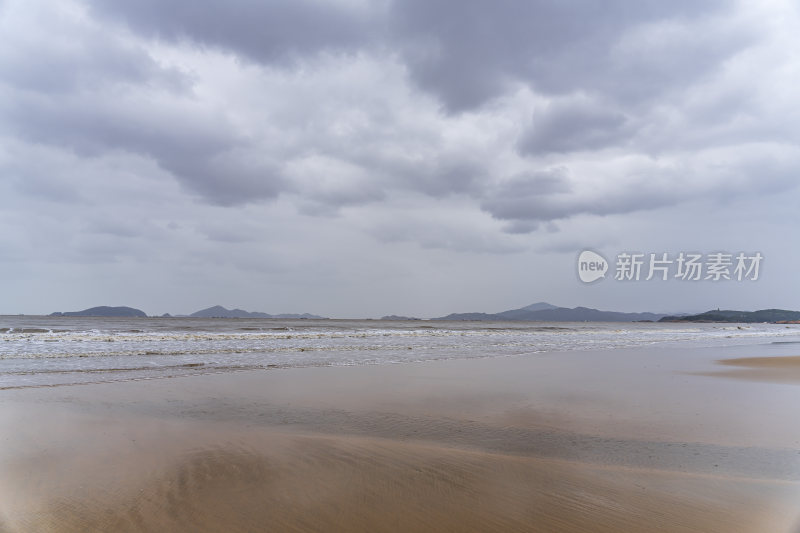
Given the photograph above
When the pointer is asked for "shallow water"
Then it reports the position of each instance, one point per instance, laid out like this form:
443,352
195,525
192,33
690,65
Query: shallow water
46,351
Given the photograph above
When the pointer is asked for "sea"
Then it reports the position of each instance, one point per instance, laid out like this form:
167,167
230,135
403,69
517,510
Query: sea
46,351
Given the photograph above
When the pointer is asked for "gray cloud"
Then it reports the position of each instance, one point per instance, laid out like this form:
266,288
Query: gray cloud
272,143
527,201
208,157
94,93
440,46
274,31
574,126
47,51
469,54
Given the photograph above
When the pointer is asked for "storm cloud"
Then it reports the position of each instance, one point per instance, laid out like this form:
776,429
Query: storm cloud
203,139
470,52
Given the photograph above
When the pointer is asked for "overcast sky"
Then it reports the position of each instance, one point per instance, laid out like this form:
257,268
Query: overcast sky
355,158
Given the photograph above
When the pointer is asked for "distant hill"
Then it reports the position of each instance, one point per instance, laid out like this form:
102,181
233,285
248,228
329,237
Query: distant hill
105,311
218,311
764,315
398,317
524,311
545,312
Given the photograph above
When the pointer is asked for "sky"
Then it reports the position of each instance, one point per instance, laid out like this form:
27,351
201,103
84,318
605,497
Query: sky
355,158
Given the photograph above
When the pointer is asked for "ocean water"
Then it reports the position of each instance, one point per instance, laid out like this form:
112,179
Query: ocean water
49,351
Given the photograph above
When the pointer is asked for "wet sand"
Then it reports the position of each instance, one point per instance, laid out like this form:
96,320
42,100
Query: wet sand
546,443
785,369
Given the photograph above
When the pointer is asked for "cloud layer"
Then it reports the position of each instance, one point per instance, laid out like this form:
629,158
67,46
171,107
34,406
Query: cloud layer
252,135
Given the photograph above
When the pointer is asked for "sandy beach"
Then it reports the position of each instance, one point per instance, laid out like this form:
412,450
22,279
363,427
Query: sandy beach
558,442
399,266
785,369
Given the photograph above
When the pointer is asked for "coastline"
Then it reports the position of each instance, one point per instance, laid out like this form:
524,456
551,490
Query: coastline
548,441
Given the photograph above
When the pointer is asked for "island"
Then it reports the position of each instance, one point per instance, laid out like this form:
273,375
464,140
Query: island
105,311
218,311
545,312
777,316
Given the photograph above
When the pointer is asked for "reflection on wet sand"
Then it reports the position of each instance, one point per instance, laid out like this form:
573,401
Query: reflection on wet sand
592,442
784,369
272,481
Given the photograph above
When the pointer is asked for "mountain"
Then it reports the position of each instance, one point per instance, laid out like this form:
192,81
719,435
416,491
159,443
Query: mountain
513,314
218,311
764,315
587,314
104,310
539,306
545,312
472,316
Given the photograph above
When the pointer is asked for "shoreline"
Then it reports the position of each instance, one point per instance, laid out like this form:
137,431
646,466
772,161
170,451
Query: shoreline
552,441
